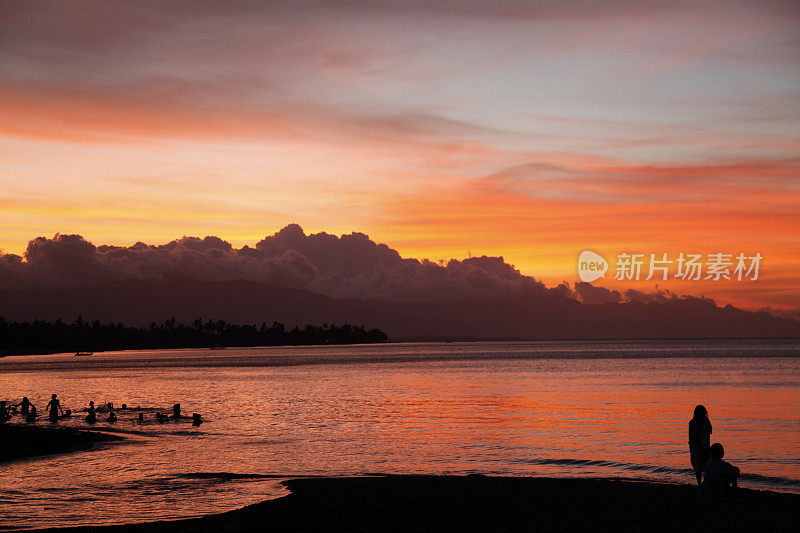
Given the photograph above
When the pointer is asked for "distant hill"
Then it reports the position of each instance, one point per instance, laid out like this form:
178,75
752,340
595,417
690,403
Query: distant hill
545,316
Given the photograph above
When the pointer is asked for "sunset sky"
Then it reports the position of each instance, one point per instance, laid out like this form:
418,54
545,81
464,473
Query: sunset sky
528,130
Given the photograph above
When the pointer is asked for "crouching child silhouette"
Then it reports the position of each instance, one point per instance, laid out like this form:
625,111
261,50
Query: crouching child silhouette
720,476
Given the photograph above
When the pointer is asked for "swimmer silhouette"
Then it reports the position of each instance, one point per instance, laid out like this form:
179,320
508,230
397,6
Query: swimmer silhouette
91,418
24,406
54,406
699,441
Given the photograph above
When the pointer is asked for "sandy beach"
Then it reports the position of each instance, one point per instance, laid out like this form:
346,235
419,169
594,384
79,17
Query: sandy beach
453,503
482,503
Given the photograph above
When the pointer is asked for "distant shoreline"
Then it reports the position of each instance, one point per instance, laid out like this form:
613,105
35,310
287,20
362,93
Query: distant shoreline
482,503
425,339
80,337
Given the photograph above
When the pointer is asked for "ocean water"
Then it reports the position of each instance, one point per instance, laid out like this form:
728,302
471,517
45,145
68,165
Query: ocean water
574,409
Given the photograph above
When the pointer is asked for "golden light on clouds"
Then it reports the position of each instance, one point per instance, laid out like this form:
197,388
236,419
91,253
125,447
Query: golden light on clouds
528,132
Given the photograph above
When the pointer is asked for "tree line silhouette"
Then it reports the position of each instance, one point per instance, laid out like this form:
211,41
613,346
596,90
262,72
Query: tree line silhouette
39,337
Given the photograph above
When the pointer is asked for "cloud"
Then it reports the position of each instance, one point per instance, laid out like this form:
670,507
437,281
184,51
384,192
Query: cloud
589,294
350,266
583,178
662,296
347,266
355,266
782,313
517,127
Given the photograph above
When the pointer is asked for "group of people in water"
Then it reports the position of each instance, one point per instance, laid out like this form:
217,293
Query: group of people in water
714,475
55,413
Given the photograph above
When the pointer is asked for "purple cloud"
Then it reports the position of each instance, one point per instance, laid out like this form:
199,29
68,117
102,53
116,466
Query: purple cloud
350,266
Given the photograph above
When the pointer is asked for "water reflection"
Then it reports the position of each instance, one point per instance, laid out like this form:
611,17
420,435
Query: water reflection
414,408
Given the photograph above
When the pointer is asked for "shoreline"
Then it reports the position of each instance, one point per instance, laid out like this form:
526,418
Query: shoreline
484,503
28,441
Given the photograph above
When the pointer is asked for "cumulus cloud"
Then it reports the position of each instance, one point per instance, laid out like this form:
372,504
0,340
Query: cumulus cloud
589,294
633,295
782,313
350,266
347,266
663,296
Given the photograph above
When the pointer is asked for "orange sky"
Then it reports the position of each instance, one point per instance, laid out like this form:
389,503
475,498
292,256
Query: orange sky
532,131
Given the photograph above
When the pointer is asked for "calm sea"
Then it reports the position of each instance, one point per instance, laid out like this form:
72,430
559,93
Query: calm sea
512,408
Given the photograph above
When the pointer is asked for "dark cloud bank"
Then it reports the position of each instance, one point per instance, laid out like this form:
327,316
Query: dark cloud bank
297,278
350,266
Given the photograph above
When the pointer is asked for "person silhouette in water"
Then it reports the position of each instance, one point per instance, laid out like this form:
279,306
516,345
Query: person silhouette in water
24,406
699,441
91,418
54,407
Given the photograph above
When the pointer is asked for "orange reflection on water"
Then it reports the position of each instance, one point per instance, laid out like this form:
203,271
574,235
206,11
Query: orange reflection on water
495,408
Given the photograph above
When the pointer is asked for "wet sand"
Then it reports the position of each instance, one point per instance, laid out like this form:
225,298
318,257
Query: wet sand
24,441
479,503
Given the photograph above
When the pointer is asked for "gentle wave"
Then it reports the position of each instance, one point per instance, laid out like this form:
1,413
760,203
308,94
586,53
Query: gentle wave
652,469
226,476
494,408
278,361
409,353
633,467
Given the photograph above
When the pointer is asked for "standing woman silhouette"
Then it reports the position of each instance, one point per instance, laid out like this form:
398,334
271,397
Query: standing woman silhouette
699,441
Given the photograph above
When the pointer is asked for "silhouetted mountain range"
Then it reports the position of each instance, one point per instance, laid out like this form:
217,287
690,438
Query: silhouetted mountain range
544,315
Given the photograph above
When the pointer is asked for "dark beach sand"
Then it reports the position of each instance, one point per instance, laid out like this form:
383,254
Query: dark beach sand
479,503
451,503
24,441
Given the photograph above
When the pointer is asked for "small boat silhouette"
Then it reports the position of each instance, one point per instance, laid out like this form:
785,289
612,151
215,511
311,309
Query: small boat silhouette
83,353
